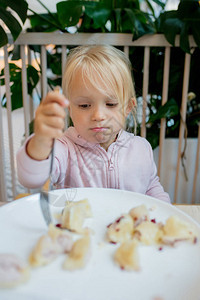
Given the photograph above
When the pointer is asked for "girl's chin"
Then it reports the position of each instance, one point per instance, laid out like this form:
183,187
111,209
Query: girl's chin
105,143
101,137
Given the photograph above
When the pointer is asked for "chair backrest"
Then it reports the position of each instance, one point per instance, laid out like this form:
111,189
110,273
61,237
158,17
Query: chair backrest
171,174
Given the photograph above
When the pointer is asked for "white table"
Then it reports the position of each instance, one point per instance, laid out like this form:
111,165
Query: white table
190,209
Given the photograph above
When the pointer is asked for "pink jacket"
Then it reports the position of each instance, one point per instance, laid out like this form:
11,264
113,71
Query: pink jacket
128,164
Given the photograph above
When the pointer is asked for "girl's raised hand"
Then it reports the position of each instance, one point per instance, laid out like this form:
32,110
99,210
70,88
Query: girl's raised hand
48,125
50,115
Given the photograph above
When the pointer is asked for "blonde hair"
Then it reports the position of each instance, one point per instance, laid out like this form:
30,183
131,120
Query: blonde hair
112,66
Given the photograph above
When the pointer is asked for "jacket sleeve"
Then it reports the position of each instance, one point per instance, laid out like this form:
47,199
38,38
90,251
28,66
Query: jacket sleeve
155,188
31,173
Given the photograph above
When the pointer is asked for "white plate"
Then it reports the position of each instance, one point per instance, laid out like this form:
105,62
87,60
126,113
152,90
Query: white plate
172,273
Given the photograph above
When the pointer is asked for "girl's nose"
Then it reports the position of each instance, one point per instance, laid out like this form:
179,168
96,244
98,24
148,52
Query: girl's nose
98,113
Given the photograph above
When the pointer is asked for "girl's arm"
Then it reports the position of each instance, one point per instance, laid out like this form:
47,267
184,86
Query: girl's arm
48,125
33,161
31,173
155,188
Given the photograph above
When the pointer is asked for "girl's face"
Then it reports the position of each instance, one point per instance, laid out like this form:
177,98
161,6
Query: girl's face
96,116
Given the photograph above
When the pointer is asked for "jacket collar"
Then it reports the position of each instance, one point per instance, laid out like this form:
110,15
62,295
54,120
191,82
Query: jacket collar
72,134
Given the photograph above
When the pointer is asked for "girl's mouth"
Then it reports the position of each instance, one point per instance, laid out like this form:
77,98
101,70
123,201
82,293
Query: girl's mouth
99,129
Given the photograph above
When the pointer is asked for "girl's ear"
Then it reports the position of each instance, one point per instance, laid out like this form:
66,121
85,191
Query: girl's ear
131,104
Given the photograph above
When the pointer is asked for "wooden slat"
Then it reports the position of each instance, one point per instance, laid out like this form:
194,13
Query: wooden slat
3,194
44,71
145,89
196,167
25,91
31,106
164,100
10,130
64,58
115,39
126,50
183,119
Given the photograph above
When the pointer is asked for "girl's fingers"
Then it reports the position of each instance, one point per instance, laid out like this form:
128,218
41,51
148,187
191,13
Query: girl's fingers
52,109
51,121
48,132
57,98
49,110
54,122
50,114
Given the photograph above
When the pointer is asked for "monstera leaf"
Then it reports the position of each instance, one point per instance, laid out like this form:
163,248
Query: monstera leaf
16,84
184,21
7,8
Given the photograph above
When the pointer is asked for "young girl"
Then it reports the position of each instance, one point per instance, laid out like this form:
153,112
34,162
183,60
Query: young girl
96,151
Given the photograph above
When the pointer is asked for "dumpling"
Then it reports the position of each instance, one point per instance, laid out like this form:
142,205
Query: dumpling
121,230
74,215
49,246
61,237
148,233
176,230
79,254
13,271
127,256
44,252
139,214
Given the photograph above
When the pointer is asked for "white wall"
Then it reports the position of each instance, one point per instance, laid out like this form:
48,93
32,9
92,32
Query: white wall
168,170
51,4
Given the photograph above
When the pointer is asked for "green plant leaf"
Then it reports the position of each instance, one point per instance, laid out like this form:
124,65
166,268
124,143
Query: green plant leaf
184,38
153,136
187,8
31,127
169,109
140,23
171,28
32,78
53,61
10,22
196,32
110,4
150,7
3,37
16,84
132,18
15,52
44,23
99,15
117,13
19,6
69,12
160,3
86,25
54,82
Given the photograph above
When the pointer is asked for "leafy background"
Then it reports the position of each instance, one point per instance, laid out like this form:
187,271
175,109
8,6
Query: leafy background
120,16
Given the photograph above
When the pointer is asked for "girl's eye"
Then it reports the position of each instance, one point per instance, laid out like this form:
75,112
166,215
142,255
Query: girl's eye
84,105
111,104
